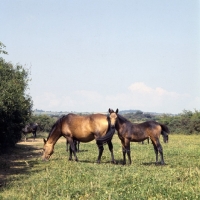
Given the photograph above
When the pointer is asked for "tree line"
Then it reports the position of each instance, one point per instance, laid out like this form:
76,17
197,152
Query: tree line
187,122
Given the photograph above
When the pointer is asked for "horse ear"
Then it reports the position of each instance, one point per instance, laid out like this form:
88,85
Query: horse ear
44,141
117,111
109,110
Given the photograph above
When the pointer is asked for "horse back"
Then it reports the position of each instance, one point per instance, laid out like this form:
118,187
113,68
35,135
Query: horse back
84,128
141,131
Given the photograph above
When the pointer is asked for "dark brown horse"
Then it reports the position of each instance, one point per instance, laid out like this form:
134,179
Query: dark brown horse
76,145
129,132
83,129
31,128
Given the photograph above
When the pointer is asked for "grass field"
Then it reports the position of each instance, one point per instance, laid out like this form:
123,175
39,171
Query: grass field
24,176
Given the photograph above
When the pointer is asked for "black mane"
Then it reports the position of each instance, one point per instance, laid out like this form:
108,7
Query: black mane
122,119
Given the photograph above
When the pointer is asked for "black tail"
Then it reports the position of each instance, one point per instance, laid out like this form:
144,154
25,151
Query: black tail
106,137
165,131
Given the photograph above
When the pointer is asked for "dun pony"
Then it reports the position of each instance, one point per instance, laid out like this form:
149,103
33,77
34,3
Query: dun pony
82,129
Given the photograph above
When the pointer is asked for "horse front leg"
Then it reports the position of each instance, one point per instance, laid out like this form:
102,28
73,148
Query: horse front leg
24,138
128,150
100,147
110,146
67,148
34,135
78,143
124,155
123,152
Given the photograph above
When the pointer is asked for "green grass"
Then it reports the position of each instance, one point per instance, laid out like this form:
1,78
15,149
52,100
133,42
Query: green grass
63,179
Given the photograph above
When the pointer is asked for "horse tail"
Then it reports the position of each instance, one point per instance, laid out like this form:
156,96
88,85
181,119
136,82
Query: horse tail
164,132
106,137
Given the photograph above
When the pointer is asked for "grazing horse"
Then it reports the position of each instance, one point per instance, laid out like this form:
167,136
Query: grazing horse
76,145
129,132
31,128
83,129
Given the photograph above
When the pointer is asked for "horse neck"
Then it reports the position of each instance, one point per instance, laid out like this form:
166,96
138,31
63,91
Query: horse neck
54,136
120,121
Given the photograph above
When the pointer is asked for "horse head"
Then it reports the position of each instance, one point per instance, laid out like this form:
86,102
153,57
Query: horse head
47,150
113,117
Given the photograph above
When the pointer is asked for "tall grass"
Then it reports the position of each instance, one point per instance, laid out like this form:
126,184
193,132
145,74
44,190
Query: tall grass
63,179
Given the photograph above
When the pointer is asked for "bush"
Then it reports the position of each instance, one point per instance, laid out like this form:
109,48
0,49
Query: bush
45,122
15,105
187,122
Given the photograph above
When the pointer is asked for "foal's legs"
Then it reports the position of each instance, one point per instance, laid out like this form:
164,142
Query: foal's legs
155,150
126,149
67,145
34,134
110,146
158,148
72,149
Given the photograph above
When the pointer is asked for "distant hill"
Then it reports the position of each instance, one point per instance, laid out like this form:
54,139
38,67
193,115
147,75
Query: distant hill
128,111
122,112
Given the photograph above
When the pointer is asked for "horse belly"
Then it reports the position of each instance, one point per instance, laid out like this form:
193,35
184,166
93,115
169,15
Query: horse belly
84,137
139,137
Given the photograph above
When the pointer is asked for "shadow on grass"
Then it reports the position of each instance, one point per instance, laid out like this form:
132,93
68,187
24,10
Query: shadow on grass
85,150
102,162
17,160
154,163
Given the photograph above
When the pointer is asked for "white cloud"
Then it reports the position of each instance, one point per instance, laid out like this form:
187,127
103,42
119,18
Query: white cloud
138,96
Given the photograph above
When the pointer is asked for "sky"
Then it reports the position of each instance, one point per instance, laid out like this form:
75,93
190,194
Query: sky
92,55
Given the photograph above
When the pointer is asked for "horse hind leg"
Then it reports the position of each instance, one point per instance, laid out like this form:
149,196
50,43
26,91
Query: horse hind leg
110,146
155,150
158,148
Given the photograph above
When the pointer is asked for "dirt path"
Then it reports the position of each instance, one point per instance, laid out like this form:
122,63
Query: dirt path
16,159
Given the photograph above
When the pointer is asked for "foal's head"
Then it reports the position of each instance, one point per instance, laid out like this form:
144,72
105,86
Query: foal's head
113,117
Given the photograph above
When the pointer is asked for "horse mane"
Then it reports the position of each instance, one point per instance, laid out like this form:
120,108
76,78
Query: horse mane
122,119
54,125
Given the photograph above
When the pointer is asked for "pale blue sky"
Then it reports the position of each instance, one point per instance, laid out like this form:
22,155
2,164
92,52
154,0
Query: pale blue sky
93,55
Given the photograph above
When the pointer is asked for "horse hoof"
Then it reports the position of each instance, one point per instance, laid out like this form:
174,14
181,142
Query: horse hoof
70,159
98,162
113,162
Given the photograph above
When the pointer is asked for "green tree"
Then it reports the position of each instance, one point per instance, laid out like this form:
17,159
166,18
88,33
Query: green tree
15,104
45,122
2,46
